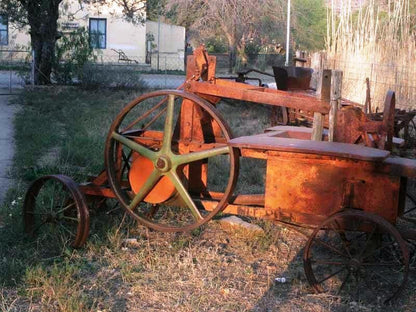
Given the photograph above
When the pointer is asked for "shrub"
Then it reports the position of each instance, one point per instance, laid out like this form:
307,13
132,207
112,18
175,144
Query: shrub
71,53
96,76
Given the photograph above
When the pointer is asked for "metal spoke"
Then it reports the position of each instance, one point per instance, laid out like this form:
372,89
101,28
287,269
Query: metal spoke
384,278
66,229
185,195
328,246
327,262
344,282
65,208
410,210
333,274
381,264
39,226
188,158
126,160
342,237
153,119
378,249
69,218
168,128
131,125
145,189
134,146
367,242
357,283
37,213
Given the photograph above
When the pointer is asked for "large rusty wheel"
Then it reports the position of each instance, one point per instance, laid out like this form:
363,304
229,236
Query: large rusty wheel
166,154
357,255
55,212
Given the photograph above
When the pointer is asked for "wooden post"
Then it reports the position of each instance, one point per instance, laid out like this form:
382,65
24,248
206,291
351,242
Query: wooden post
324,85
318,125
324,90
336,85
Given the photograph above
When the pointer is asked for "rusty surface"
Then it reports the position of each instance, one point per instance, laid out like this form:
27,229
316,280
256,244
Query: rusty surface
292,78
353,126
306,191
198,128
30,207
398,166
286,144
306,180
341,253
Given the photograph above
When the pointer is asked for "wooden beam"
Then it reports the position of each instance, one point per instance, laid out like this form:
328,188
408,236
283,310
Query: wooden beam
336,85
318,127
324,85
244,92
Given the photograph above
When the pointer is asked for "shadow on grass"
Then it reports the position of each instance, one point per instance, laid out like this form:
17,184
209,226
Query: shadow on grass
296,294
61,277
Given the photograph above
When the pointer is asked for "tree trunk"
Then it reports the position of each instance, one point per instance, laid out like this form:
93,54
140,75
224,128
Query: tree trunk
43,16
44,58
232,56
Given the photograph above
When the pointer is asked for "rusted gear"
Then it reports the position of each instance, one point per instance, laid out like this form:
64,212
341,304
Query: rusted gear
169,138
358,254
55,211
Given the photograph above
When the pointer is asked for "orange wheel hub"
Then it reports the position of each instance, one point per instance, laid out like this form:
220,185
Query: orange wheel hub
140,171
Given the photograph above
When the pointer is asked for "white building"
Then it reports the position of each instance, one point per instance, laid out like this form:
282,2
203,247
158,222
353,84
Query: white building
114,39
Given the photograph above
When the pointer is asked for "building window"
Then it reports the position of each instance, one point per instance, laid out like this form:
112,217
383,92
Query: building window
98,33
4,30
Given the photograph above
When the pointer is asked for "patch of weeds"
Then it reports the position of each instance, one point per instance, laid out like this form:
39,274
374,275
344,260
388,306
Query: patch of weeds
58,287
245,118
181,241
63,130
252,176
131,271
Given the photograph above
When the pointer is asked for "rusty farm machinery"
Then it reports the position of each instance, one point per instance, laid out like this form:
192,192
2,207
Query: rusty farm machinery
172,163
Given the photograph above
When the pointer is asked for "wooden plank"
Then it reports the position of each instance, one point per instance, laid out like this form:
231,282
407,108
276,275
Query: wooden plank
242,92
336,86
318,127
342,150
324,85
398,166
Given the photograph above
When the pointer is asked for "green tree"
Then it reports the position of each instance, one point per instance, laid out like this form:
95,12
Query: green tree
41,16
155,8
72,51
308,24
236,21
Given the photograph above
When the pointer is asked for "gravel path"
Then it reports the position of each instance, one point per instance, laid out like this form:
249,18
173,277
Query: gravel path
7,111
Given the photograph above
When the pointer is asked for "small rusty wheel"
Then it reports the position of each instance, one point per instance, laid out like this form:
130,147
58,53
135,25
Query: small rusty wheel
55,212
166,154
358,255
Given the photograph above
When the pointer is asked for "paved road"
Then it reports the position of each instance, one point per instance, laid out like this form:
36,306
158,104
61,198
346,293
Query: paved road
9,82
7,112
155,81
162,81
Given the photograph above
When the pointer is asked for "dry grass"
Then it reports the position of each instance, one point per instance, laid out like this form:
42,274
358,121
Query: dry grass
214,269
378,42
210,269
